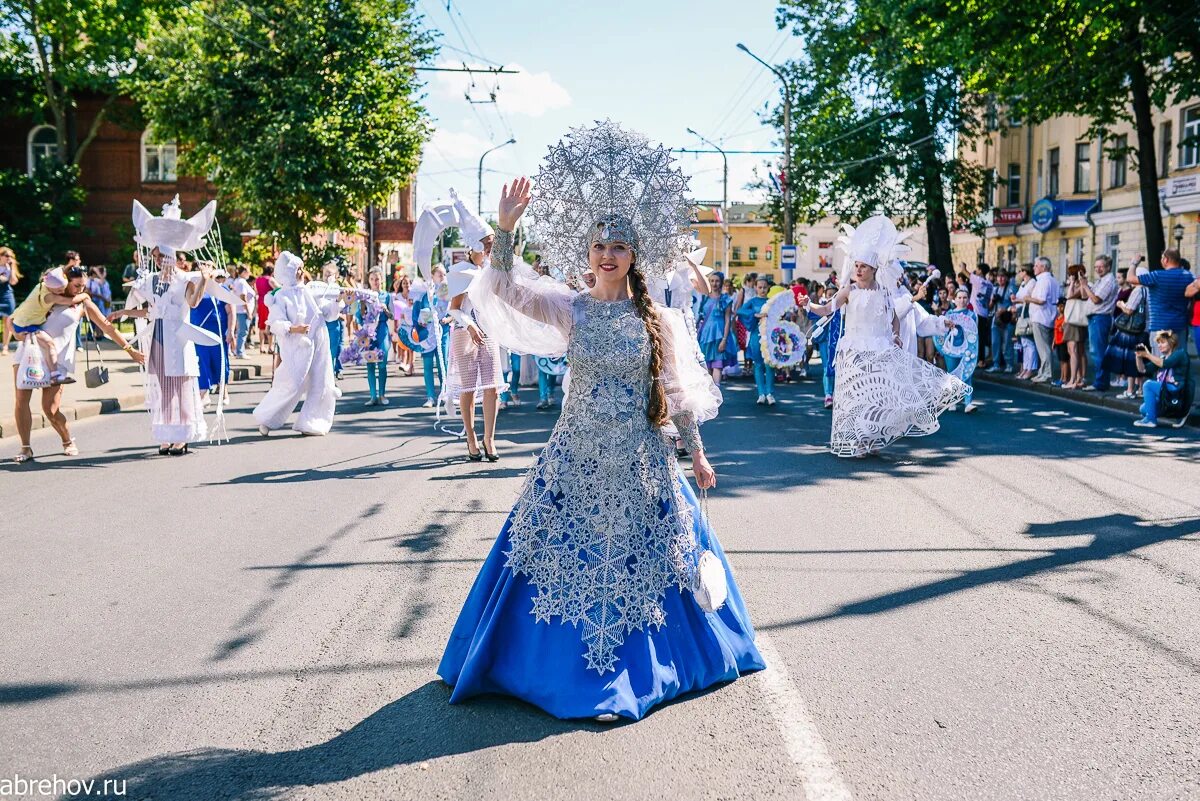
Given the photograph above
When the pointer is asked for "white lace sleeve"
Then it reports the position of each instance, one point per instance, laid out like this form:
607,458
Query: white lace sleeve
692,397
519,309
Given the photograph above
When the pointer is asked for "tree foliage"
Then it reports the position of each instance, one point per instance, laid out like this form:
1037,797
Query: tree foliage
61,50
40,215
875,114
306,110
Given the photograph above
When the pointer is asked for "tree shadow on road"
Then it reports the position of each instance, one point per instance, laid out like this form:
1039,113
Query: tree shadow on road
418,727
1113,535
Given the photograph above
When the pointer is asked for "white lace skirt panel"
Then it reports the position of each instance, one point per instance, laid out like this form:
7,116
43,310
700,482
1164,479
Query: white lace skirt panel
883,395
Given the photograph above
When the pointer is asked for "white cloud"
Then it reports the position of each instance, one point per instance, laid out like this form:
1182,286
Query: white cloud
528,93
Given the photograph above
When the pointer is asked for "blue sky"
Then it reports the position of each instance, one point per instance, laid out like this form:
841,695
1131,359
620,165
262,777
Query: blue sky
657,66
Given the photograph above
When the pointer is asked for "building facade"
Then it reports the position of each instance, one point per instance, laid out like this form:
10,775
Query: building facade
1055,192
754,245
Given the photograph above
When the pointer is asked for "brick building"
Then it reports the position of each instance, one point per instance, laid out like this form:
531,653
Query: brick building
122,164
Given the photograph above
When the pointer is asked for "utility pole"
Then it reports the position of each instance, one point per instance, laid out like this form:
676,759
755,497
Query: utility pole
479,201
788,228
724,200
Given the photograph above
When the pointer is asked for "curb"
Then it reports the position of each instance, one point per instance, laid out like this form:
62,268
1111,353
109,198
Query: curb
81,410
1097,399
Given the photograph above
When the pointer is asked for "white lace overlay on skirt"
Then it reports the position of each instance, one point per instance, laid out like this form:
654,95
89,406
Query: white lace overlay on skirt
883,392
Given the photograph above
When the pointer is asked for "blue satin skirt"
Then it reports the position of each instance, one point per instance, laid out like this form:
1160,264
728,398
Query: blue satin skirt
498,647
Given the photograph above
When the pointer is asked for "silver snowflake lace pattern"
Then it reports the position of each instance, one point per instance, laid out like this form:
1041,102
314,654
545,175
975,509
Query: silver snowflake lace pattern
604,173
602,530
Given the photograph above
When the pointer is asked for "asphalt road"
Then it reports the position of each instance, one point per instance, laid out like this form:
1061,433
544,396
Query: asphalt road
1005,610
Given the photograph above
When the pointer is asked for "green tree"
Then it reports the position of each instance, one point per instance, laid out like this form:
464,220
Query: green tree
62,50
1112,61
875,115
39,216
306,111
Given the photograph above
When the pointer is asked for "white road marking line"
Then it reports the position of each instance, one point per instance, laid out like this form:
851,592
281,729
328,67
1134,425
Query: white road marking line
819,774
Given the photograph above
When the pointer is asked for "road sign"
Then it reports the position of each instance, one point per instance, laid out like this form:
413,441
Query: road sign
787,257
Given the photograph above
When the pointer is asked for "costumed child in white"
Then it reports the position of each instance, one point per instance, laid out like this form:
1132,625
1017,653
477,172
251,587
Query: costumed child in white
298,318
883,392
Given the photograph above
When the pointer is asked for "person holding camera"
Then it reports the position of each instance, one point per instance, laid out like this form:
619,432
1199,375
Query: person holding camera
1167,293
1171,364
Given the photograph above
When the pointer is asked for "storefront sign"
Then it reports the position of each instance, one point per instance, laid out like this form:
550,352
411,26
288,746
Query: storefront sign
1014,216
1183,185
1044,214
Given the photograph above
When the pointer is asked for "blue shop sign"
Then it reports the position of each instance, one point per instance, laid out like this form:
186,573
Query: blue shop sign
1044,214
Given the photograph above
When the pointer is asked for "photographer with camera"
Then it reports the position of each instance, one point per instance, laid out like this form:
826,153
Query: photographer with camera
1172,365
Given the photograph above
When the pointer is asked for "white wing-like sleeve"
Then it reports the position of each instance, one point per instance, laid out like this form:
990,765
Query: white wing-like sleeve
692,397
519,309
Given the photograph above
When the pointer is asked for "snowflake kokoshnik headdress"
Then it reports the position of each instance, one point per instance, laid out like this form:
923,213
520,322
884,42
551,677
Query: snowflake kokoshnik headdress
608,184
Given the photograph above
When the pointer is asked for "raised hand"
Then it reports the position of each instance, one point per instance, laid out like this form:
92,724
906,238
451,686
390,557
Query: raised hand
514,198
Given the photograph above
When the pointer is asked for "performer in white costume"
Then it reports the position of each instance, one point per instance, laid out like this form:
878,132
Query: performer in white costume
169,340
475,365
298,317
883,392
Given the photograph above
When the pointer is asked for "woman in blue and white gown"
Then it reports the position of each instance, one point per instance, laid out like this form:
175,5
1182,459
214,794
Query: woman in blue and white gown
584,606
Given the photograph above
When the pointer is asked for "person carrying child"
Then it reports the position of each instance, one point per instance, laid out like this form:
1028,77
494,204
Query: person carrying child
33,312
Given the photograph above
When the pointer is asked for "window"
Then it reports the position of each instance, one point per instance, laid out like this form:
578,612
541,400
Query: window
1052,186
1083,167
992,117
1011,260
1014,185
1035,250
1164,150
1063,252
158,159
1112,246
1078,252
1189,145
1116,167
737,253
753,253
988,188
43,146
1039,178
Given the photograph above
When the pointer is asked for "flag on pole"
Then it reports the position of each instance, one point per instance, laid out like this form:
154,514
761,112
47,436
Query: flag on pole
775,183
718,215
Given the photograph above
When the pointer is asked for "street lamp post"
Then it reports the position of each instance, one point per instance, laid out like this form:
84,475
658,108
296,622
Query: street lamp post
788,233
479,201
1178,231
724,200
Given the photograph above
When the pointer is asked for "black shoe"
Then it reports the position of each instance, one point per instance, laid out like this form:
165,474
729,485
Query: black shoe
163,450
179,451
475,456
491,457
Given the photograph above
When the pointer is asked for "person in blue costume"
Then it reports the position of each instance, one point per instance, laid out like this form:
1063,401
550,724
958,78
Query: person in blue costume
750,313
715,326
589,603
213,316
383,338
426,332
960,345
827,344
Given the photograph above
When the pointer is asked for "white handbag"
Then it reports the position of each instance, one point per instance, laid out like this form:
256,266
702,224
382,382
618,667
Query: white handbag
710,587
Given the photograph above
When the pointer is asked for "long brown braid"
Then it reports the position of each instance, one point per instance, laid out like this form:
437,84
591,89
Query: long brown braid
657,409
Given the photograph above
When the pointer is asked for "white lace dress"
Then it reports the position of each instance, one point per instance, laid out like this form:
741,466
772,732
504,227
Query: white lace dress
883,392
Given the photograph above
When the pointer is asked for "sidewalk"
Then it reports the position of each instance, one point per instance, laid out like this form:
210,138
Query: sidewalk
1106,400
123,391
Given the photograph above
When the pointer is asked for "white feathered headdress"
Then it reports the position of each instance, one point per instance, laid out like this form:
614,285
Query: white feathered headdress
875,242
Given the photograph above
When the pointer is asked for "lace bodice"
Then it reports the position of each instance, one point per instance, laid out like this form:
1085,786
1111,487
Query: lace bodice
868,315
